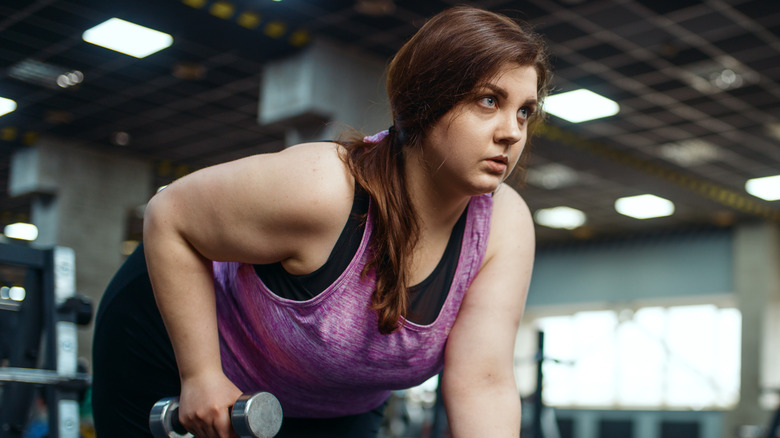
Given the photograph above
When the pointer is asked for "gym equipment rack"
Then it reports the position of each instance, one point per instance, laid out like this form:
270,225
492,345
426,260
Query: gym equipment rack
43,348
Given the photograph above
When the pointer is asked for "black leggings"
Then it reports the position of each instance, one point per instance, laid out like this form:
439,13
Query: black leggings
134,366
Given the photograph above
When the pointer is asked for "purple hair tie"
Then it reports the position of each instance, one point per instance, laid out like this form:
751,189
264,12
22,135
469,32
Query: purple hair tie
376,138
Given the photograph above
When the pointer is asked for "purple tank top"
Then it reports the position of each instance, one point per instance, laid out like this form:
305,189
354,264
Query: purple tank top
325,357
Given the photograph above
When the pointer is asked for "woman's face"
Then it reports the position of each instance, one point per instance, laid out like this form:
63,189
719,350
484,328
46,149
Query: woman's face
477,144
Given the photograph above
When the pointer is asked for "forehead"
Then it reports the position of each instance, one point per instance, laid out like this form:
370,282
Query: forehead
514,79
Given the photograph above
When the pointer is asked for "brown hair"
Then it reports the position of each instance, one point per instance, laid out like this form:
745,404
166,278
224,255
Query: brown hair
440,66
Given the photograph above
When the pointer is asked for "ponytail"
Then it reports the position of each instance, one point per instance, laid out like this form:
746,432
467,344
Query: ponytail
377,163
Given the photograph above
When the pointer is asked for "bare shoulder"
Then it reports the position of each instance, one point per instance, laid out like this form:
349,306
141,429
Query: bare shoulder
313,169
263,208
309,177
324,155
512,227
307,168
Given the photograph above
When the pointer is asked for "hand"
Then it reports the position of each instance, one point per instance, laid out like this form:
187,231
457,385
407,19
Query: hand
204,405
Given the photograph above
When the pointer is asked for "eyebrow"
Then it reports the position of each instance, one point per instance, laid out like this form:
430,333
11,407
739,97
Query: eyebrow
496,89
503,93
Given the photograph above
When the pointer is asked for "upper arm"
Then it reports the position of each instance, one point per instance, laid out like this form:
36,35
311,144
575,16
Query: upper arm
481,343
259,209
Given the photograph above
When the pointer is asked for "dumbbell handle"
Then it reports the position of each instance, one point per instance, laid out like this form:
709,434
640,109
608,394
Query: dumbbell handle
176,423
253,415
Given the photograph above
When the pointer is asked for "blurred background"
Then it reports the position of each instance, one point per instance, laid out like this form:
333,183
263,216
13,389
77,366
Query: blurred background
656,289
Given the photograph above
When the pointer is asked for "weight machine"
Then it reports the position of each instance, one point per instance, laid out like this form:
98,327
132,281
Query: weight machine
41,333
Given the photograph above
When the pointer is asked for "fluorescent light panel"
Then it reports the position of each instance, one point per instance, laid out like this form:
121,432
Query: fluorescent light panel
766,188
644,206
6,106
580,106
21,231
560,217
128,38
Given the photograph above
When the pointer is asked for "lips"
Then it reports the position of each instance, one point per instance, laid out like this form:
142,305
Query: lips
497,164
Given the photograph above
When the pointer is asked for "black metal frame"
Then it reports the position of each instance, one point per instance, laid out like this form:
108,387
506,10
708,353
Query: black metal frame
774,428
35,342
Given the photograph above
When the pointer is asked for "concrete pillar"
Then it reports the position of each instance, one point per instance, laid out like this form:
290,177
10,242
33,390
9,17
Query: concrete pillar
81,199
587,425
648,425
323,90
757,289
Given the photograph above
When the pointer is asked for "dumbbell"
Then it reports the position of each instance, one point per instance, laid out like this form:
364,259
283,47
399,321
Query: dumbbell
253,416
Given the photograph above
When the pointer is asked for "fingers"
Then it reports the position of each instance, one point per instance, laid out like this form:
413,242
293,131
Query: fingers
211,422
205,403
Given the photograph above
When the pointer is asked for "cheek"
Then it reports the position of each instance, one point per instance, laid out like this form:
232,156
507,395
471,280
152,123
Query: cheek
519,147
517,152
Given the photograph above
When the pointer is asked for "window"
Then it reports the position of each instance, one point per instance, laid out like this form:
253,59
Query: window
683,357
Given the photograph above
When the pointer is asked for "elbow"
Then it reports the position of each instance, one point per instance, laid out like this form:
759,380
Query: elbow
491,380
158,216
151,216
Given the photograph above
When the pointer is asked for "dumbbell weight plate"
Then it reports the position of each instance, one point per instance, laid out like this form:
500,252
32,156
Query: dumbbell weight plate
258,415
161,419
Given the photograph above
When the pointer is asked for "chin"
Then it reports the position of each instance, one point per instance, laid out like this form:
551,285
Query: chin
486,186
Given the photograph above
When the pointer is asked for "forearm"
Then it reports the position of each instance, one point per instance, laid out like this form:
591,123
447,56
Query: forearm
183,287
488,410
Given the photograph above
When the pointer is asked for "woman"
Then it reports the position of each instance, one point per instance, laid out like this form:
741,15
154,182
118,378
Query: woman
332,273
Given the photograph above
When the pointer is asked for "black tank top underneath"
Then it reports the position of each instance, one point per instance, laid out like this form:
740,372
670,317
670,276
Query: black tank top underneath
426,298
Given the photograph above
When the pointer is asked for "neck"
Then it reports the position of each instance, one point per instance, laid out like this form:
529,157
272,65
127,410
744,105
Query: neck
437,205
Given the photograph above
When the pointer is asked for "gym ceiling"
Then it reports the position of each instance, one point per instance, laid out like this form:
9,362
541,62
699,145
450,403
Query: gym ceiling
698,84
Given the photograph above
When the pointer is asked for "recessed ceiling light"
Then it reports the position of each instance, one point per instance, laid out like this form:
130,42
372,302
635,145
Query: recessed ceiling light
767,188
644,206
70,79
128,38
690,152
560,217
45,74
552,176
580,106
6,106
715,75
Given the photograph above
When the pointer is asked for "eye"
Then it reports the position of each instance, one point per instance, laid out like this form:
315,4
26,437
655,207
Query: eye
488,102
525,113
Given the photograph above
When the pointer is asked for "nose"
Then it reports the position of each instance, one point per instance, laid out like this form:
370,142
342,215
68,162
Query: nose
509,130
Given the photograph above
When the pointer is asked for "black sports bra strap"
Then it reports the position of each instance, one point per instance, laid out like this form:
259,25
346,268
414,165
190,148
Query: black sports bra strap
426,298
